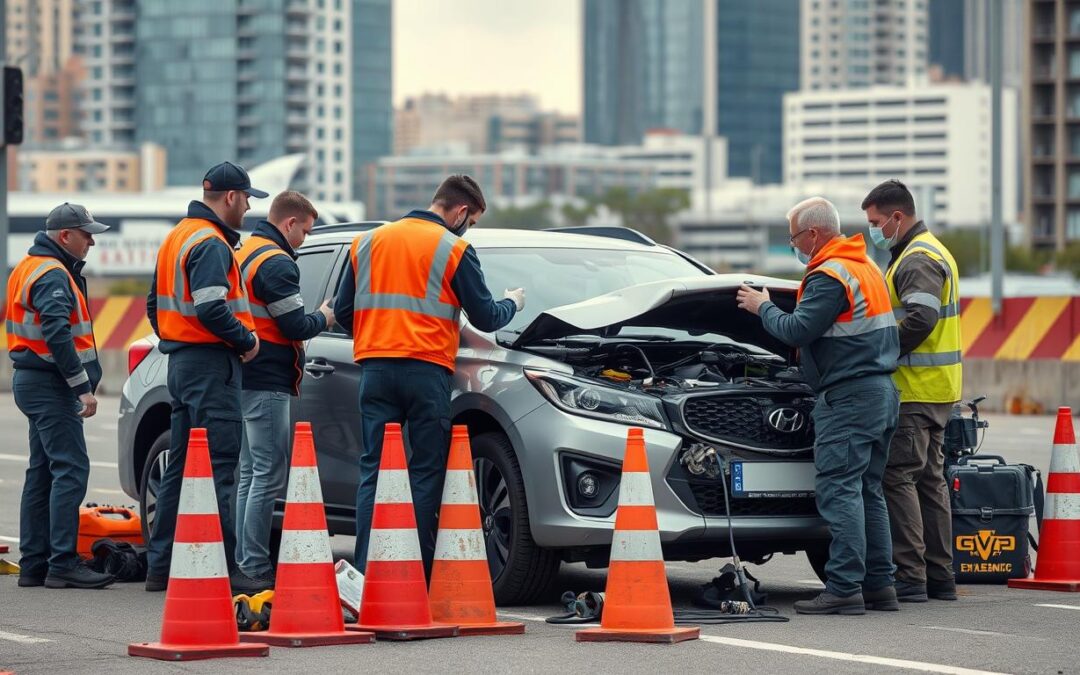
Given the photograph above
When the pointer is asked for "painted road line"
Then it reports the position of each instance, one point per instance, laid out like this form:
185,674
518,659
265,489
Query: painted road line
23,458
1033,432
23,639
989,633
14,539
108,491
1076,607
844,656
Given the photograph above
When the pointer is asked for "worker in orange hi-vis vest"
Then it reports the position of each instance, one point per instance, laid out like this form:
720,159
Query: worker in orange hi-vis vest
50,338
199,308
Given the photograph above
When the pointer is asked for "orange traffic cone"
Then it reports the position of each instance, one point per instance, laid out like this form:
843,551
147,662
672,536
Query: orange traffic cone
306,610
394,605
199,622
460,579
637,603
1057,567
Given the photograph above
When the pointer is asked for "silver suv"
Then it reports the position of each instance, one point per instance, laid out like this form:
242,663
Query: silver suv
615,334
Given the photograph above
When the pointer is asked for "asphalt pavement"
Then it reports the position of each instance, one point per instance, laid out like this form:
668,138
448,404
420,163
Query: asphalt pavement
990,629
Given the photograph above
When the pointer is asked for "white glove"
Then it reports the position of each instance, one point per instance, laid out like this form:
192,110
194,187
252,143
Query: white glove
518,296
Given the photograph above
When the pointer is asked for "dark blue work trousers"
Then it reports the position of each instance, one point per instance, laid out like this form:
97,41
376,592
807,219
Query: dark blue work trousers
854,423
57,475
415,394
205,384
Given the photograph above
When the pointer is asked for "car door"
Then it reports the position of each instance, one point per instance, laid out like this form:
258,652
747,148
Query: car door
329,391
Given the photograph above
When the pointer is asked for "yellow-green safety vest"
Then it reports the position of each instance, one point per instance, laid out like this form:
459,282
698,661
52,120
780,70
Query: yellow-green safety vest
932,372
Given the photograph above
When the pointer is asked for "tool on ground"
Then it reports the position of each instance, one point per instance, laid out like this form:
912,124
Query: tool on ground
119,523
198,621
585,607
962,433
118,558
350,584
307,611
1058,565
395,602
253,611
637,602
460,592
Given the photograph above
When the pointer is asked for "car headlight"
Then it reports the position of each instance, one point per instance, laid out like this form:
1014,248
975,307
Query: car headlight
591,399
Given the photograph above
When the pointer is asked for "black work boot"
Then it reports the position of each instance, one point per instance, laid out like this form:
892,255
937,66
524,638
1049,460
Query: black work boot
941,590
909,592
241,582
79,576
31,580
156,584
827,603
881,600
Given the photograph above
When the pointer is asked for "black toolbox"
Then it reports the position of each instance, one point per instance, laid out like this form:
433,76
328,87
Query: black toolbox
992,504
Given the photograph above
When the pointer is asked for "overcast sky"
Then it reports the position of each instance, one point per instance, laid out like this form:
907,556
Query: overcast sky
489,46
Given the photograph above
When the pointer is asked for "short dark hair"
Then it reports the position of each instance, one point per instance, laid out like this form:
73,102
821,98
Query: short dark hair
892,195
290,204
457,190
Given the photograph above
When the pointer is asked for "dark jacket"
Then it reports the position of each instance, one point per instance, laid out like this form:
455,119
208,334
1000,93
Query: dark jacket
917,274
485,314
280,367
54,301
208,266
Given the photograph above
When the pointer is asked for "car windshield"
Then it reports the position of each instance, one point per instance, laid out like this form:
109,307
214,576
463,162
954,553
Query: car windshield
553,277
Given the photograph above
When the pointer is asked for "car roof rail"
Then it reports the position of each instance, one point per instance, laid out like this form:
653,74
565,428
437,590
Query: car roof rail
610,231
347,227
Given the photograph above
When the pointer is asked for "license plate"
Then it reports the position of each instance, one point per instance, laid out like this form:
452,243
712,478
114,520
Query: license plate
772,479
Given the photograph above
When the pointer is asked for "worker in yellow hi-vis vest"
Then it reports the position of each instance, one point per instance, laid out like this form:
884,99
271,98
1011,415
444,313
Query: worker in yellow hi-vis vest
923,287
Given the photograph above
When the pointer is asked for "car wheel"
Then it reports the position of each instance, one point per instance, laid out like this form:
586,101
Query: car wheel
818,556
521,571
153,469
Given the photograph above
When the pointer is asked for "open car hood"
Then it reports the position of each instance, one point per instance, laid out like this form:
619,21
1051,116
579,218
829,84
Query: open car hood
693,304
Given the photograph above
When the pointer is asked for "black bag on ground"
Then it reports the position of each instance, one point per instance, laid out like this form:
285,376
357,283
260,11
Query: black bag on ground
992,503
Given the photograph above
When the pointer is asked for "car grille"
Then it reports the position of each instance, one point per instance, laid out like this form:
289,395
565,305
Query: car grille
710,499
744,421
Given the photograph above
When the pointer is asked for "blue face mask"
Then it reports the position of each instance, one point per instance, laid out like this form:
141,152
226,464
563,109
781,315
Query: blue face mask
878,238
803,258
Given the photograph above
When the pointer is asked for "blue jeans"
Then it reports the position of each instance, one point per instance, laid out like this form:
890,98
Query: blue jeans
57,475
264,469
417,395
204,383
854,423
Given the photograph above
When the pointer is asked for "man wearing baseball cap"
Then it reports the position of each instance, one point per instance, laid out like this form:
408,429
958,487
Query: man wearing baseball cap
198,306
50,340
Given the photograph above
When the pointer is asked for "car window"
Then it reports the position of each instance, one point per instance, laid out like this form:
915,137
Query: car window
313,268
553,277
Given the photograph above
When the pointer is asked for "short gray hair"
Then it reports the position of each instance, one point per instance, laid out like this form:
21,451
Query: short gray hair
815,213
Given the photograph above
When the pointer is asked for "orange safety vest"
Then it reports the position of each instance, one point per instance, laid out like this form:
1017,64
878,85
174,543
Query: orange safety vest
176,315
252,254
869,307
404,306
23,321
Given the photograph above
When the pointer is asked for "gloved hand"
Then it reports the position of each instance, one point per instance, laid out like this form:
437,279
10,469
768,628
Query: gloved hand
518,296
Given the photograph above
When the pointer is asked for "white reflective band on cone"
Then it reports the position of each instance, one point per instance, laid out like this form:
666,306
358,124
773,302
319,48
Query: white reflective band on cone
636,545
198,497
198,561
1062,506
1064,459
393,545
393,487
635,489
460,545
305,546
304,485
460,487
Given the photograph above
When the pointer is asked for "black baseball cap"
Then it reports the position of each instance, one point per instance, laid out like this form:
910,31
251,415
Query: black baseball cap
73,216
229,176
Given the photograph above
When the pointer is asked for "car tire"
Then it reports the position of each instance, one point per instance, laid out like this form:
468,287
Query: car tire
521,571
150,479
818,556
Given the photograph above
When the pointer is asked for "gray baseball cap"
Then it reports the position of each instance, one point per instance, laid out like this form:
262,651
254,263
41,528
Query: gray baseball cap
71,216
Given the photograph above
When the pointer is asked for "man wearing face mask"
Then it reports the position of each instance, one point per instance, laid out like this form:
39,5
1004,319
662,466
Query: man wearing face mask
925,297
847,341
401,299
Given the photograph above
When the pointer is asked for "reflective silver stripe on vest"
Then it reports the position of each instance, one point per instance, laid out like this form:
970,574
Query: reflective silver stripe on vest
859,310
284,306
860,326
917,359
429,305
176,303
944,312
39,271
209,294
30,328
85,356
32,331
947,309
77,379
169,304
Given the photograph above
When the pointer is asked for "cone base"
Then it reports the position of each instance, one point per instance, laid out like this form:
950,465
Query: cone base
156,650
406,632
308,639
4,548
662,635
494,628
1066,586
